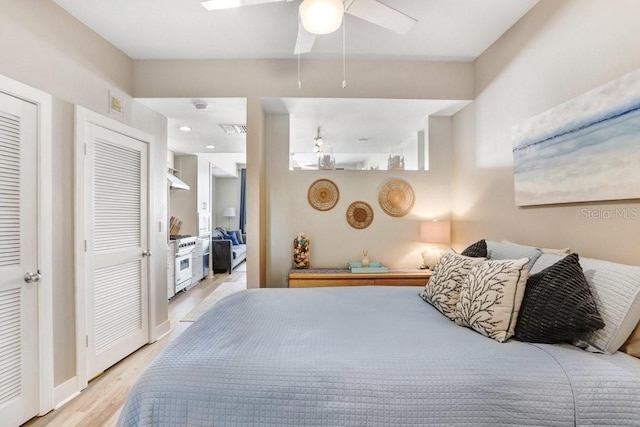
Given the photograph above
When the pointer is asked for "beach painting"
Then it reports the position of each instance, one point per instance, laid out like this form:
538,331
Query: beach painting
585,149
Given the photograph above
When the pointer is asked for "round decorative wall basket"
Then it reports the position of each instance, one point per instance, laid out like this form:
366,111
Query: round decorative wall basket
359,215
323,194
397,198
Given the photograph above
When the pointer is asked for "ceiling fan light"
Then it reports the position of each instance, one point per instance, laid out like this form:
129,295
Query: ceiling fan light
321,16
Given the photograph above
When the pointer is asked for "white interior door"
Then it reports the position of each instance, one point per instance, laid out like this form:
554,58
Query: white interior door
116,247
19,370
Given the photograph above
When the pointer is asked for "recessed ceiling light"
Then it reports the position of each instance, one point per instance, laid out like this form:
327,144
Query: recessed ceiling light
185,128
210,147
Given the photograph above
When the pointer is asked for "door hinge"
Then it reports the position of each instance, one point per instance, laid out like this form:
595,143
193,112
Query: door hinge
87,340
85,246
85,148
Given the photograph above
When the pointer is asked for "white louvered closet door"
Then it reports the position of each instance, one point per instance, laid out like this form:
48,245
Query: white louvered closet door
18,300
117,288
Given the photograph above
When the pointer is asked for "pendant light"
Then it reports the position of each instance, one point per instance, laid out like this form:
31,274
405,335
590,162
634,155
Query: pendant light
318,143
321,16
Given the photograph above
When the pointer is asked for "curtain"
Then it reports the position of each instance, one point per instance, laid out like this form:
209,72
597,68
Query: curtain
243,199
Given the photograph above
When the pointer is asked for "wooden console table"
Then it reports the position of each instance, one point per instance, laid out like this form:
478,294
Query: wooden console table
315,277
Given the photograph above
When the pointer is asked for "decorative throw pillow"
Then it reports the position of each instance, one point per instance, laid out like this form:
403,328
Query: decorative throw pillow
230,236
238,235
490,297
443,288
558,305
476,250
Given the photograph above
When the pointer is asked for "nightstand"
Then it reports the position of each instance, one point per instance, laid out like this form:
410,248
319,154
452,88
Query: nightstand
318,277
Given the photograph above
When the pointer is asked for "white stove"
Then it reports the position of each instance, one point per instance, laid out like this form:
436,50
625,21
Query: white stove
184,259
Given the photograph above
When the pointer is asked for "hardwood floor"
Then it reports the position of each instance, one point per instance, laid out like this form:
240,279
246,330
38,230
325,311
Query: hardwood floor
101,402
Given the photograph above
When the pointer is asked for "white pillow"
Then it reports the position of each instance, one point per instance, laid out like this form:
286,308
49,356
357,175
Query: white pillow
443,289
491,296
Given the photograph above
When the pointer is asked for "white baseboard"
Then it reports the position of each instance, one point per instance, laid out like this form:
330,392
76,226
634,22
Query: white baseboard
65,392
162,330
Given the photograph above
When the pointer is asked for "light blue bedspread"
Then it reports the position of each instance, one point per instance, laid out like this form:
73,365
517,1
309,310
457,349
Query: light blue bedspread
370,356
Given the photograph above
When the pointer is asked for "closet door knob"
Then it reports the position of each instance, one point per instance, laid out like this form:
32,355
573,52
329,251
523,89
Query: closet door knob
32,277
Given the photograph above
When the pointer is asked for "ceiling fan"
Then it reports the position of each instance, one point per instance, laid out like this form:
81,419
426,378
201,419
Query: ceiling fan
369,10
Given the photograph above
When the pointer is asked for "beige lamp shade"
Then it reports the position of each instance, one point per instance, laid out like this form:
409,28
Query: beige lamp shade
435,232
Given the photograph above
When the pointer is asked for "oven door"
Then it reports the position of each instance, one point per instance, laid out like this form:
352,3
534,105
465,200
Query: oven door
183,270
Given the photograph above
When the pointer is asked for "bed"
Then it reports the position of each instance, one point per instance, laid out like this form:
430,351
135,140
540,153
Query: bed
371,356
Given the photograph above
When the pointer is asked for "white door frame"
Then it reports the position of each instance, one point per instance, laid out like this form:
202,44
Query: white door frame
44,235
84,116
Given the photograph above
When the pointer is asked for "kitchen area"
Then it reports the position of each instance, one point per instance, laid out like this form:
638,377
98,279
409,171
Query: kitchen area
206,139
189,226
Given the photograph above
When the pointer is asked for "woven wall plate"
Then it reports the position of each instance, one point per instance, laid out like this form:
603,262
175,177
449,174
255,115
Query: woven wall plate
323,194
359,215
397,198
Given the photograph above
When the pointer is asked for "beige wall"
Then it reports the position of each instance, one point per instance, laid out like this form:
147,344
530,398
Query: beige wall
268,158
556,52
333,242
44,47
227,194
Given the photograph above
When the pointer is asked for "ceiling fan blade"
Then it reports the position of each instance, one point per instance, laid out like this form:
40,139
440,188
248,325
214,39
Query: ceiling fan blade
229,4
380,14
304,42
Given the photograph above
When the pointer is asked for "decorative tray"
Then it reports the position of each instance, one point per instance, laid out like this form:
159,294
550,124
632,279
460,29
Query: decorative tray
374,267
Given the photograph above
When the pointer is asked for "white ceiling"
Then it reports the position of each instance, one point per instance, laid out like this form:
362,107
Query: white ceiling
176,29
203,123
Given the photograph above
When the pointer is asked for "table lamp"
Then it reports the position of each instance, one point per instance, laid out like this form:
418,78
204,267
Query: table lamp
229,212
435,233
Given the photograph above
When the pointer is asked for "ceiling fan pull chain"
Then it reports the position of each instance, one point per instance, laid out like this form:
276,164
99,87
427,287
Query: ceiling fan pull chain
344,49
299,25
299,81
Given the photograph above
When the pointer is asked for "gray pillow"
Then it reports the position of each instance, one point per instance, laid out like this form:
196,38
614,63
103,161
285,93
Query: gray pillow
508,250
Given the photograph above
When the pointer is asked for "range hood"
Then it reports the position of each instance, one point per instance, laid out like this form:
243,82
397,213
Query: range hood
176,183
